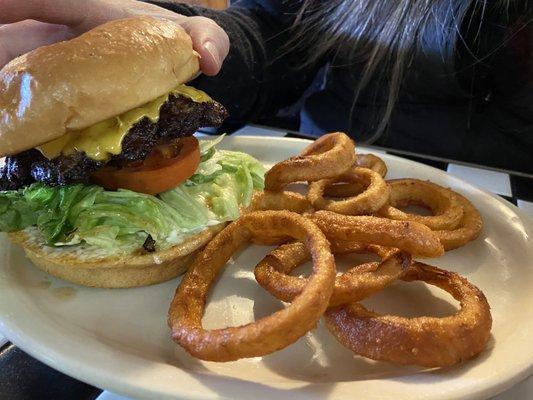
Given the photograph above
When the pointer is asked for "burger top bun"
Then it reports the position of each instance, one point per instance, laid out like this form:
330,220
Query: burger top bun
74,84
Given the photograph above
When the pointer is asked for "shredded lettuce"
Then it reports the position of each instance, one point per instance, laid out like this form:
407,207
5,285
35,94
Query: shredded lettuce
122,220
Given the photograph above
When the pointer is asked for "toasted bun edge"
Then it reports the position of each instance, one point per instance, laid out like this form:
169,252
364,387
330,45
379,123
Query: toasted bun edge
123,271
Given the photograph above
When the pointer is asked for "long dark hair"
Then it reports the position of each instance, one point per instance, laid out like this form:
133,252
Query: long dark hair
383,36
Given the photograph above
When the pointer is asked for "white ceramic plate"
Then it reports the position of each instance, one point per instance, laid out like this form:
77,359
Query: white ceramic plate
118,339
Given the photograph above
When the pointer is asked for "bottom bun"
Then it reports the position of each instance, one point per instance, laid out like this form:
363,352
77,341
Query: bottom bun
84,265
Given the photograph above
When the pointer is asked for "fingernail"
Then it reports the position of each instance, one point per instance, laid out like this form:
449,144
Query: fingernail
213,51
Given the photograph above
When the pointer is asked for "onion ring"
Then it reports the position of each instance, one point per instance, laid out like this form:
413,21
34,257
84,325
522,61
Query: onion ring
442,202
284,200
426,341
372,162
272,273
265,335
373,198
468,229
412,237
281,201
369,161
327,157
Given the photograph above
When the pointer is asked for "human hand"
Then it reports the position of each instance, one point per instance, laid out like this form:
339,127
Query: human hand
34,23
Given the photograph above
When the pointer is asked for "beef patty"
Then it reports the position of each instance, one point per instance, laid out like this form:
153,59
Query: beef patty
179,117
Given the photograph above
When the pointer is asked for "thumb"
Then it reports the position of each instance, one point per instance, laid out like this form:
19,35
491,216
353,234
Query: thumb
209,40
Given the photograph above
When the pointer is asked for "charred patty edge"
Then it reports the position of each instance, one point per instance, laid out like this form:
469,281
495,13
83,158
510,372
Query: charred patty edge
179,117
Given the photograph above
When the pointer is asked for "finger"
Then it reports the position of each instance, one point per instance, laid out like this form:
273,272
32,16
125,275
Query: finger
79,15
65,12
22,37
210,41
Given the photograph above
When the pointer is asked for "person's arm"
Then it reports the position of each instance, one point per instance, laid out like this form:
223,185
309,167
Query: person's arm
260,75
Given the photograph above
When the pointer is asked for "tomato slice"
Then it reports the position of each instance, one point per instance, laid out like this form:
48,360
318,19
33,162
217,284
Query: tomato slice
165,168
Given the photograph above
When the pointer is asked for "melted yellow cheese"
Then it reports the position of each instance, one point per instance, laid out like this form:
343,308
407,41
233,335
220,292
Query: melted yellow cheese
104,139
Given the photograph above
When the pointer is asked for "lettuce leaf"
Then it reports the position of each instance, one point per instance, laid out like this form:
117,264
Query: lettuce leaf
16,212
122,220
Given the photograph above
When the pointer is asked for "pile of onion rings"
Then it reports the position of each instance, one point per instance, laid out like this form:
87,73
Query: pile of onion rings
349,208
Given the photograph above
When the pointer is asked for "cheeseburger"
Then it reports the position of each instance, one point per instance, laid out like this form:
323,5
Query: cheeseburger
103,183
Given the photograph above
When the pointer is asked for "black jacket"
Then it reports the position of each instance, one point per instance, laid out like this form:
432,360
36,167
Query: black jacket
475,107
